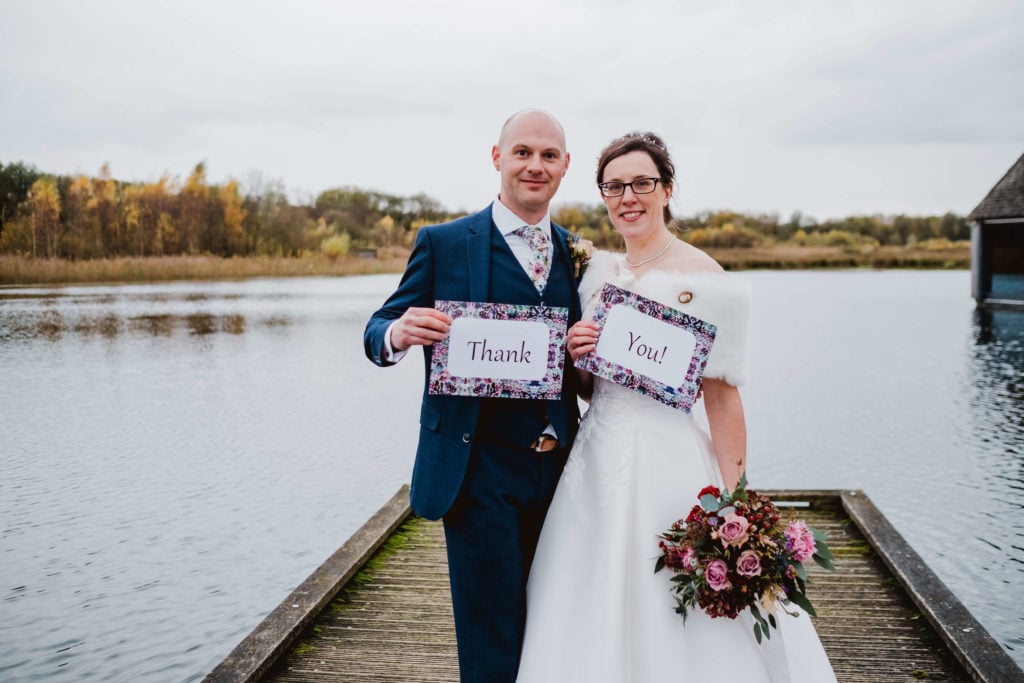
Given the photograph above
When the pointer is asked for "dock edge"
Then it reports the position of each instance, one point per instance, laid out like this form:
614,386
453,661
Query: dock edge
265,645
980,654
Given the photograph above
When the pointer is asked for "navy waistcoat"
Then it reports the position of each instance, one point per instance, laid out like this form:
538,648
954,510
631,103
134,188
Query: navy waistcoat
520,421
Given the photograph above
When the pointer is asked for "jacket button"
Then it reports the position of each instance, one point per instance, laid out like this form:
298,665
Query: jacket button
466,438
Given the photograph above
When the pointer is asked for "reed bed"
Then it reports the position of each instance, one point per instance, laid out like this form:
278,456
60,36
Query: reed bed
20,270
789,258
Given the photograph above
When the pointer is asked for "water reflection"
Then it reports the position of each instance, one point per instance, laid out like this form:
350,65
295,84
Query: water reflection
175,458
995,378
996,373
1001,332
108,326
52,325
52,315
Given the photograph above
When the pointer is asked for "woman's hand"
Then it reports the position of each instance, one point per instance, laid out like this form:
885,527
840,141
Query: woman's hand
581,339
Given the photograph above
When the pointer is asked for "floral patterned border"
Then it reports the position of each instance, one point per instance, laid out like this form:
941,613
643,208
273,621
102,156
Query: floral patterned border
549,387
681,397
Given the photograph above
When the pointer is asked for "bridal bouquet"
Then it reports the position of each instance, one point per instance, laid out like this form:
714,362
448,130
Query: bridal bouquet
732,552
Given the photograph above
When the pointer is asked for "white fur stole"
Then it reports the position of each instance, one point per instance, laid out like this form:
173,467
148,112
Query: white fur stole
717,297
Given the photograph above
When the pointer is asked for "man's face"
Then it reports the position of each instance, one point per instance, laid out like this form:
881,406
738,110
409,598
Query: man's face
532,160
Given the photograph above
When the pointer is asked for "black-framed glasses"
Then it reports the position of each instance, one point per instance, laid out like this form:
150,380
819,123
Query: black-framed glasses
639,186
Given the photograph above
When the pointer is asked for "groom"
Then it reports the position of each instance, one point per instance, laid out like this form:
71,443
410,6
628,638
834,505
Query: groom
489,466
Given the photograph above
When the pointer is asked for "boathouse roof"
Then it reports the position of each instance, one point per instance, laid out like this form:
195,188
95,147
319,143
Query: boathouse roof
1005,199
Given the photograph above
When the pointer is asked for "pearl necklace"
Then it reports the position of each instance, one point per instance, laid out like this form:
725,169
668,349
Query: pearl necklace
653,258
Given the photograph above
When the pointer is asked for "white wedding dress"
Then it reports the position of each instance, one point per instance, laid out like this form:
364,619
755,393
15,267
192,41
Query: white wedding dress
596,611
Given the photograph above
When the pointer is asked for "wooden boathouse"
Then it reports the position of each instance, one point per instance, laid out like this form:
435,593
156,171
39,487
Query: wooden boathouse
997,242
379,608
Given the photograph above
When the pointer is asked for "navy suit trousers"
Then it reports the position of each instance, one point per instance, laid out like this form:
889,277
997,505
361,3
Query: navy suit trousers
491,533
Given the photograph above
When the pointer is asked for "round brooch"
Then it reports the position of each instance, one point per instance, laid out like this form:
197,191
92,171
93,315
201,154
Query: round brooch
685,297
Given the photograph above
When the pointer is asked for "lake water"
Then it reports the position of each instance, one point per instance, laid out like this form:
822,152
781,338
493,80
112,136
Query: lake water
176,458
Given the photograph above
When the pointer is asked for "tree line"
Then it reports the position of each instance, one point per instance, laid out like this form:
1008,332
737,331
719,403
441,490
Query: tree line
729,229
84,217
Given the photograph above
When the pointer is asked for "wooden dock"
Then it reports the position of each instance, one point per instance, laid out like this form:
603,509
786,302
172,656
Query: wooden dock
378,609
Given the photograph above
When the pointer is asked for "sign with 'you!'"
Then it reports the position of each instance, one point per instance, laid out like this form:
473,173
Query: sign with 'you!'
651,348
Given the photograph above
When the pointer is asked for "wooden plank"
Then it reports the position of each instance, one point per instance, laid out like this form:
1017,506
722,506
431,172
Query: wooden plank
394,623
870,629
982,657
393,620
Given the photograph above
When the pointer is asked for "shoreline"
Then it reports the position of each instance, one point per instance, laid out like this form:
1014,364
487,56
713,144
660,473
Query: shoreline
24,271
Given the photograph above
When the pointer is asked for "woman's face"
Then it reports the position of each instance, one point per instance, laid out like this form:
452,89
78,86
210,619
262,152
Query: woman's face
636,215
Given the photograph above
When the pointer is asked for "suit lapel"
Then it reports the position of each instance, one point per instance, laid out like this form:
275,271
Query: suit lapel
560,237
478,255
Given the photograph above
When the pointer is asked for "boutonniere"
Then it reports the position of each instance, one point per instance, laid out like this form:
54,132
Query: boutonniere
581,251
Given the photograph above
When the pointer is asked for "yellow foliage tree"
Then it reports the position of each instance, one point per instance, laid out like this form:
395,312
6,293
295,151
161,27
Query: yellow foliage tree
44,217
191,207
384,230
103,207
336,245
131,220
234,217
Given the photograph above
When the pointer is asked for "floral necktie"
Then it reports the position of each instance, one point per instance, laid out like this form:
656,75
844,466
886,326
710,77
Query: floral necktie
539,268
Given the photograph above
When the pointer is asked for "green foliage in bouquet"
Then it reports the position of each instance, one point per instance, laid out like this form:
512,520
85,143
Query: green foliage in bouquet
732,552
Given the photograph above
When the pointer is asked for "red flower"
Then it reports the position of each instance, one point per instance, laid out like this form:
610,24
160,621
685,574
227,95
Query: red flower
713,490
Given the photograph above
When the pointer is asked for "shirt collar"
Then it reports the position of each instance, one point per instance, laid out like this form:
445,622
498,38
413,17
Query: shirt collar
507,221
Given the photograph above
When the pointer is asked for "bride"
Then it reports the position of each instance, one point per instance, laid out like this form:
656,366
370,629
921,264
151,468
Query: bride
596,611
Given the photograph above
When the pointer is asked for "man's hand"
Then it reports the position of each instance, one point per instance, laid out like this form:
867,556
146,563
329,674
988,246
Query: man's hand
419,327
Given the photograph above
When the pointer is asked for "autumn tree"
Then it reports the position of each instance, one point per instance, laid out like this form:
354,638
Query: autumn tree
155,206
233,215
277,227
103,205
16,181
44,217
191,211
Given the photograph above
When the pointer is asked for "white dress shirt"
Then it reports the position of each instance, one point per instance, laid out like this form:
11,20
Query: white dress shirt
507,223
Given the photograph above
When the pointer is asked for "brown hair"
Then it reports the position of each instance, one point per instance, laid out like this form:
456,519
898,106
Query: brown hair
648,143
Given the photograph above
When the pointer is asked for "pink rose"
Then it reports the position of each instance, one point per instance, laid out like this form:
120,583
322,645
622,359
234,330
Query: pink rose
748,564
689,559
717,575
734,530
800,541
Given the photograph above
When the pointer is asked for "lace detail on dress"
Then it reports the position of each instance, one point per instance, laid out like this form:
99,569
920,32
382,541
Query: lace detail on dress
611,463
572,473
615,474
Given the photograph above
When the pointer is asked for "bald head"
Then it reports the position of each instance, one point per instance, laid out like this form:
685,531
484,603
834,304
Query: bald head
531,115
531,157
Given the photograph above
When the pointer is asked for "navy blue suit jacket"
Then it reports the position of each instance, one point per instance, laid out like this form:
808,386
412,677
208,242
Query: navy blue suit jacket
452,261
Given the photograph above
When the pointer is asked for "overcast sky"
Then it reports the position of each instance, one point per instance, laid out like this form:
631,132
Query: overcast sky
827,107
